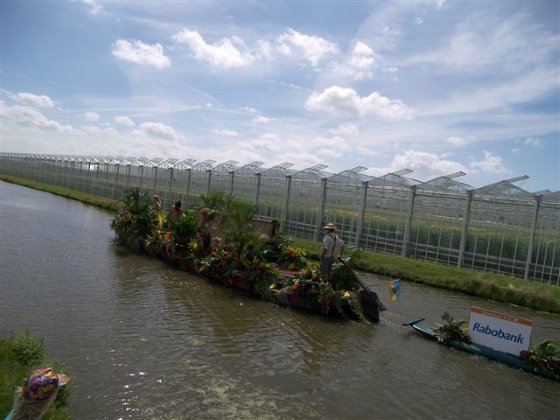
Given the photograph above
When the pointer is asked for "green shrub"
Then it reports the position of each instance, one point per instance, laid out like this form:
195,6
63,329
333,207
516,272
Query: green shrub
27,349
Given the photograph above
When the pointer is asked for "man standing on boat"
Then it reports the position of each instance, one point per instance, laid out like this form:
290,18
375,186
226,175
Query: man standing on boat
331,245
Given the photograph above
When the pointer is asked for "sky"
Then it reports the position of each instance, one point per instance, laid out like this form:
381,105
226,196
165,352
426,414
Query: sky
435,86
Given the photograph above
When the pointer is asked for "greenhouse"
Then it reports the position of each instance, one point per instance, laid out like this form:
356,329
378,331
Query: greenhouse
499,227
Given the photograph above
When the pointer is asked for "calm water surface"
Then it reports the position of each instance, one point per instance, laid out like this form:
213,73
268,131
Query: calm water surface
145,341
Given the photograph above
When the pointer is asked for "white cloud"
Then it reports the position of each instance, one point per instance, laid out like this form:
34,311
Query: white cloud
346,130
425,166
98,131
29,117
331,147
225,133
361,62
267,142
160,130
261,119
91,116
232,52
528,87
37,101
265,50
490,164
94,6
227,53
504,45
310,48
532,142
140,53
249,109
124,120
456,141
345,101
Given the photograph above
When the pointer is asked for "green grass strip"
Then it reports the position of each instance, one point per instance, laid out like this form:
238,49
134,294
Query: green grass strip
94,200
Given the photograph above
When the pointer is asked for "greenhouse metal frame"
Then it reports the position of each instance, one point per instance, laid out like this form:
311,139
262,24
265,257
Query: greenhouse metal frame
498,228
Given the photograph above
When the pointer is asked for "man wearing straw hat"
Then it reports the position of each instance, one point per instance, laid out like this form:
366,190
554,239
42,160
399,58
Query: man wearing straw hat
331,244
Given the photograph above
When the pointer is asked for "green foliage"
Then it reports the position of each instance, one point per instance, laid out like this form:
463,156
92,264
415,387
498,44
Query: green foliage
216,200
220,263
234,223
274,247
545,354
293,258
135,202
343,276
260,275
356,305
238,229
184,229
452,330
28,350
135,218
326,296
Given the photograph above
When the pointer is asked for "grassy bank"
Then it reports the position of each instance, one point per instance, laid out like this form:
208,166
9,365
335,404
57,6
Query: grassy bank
497,287
102,202
19,355
491,286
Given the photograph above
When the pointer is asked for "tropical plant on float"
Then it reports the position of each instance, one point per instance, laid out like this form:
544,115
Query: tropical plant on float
135,218
326,296
222,262
309,272
293,258
260,275
343,276
452,330
274,247
544,355
184,230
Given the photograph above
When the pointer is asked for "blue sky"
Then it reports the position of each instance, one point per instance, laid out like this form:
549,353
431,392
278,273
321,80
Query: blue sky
432,86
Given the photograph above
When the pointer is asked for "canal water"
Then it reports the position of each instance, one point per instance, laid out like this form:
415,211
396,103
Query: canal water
143,340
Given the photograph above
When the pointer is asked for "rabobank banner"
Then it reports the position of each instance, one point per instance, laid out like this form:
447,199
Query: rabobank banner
499,331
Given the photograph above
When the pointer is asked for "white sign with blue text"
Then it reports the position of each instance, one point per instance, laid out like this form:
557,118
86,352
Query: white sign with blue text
499,331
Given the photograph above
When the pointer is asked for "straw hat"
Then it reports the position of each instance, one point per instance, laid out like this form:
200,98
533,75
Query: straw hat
38,392
330,226
42,384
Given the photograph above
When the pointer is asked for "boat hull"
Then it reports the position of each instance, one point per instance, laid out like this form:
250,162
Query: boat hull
306,298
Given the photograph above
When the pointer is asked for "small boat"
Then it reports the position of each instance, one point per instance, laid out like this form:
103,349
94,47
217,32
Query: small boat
480,350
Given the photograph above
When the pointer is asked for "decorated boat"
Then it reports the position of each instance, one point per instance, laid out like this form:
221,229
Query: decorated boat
222,240
542,360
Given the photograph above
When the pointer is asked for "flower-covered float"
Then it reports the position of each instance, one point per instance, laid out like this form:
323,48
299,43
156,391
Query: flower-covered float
223,240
